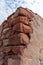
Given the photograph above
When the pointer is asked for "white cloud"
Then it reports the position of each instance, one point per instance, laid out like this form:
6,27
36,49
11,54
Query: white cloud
9,6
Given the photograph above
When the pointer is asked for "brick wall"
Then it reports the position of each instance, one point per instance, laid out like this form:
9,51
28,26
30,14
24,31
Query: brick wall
21,39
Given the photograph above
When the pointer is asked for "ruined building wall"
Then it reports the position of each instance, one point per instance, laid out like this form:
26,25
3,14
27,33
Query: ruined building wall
21,39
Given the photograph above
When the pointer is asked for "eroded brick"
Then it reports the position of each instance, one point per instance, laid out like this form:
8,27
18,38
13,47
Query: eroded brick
19,38
20,27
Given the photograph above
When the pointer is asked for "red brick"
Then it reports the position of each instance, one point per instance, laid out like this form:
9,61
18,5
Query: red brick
5,24
2,37
22,19
17,49
6,49
23,12
20,27
15,20
19,38
5,30
7,35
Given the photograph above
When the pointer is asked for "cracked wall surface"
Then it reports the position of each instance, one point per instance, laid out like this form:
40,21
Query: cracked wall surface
21,39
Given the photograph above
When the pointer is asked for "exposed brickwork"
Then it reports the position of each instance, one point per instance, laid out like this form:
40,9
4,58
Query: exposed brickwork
15,34
21,42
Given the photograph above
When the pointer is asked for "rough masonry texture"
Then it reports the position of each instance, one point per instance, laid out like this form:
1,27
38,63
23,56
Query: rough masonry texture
21,39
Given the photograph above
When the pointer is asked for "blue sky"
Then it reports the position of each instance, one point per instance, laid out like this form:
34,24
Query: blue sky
9,6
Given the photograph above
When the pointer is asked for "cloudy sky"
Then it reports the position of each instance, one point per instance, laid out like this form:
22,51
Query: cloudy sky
9,6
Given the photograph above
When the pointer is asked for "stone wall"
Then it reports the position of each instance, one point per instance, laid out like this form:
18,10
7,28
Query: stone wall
21,39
